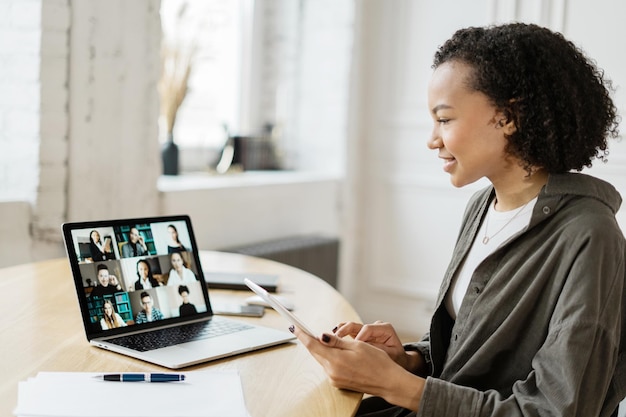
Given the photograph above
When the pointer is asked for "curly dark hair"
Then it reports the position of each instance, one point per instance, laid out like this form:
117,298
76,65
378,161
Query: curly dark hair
557,97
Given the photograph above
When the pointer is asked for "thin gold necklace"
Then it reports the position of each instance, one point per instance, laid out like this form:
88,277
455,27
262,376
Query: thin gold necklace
486,238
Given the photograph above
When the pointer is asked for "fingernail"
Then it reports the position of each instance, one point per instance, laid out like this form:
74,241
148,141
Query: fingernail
292,328
325,338
335,329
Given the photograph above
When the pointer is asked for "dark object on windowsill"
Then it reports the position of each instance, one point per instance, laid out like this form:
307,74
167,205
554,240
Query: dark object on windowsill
252,152
169,154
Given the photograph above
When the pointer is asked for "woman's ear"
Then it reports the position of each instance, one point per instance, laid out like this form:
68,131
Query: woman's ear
506,121
509,127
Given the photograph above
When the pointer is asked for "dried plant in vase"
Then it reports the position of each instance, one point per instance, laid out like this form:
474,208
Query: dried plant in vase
176,64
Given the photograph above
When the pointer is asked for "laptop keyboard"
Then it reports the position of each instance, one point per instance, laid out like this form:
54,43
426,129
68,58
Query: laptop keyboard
170,336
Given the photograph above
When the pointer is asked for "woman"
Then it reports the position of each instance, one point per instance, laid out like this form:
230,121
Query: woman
136,244
146,279
174,245
186,308
179,274
100,251
529,320
110,319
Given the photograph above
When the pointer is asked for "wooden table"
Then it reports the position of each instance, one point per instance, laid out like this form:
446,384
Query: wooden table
41,330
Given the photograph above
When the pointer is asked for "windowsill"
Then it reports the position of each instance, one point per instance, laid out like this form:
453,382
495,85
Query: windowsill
204,180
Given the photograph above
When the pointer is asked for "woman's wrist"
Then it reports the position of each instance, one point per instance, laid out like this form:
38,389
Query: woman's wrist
406,391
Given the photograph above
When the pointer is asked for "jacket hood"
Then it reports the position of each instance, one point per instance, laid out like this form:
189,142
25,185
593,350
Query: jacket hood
583,185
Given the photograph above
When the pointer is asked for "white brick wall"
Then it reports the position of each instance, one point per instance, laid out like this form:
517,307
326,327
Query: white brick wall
112,52
113,144
50,210
16,249
20,35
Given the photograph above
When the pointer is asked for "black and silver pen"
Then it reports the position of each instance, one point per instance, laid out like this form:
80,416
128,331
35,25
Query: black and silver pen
138,377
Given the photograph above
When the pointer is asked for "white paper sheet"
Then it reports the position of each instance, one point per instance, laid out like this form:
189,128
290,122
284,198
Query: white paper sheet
70,394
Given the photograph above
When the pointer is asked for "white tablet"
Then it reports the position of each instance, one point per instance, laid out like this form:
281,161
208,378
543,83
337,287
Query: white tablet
276,305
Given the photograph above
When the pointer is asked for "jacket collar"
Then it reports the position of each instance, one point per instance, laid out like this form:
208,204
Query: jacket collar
583,185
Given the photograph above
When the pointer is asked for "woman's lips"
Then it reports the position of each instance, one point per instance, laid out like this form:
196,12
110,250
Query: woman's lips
448,164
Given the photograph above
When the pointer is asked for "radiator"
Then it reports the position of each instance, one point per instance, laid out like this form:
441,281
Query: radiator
318,255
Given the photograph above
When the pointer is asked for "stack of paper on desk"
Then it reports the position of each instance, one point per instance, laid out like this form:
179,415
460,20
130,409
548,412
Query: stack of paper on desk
69,394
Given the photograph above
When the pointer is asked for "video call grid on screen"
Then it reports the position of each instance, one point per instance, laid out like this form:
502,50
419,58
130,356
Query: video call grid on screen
158,247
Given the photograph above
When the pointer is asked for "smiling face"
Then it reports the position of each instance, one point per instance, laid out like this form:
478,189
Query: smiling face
134,235
173,233
469,132
143,269
146,302
103,277
177,261
108,309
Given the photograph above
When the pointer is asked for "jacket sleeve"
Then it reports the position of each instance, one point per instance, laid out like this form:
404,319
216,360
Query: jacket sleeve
572,371
423,347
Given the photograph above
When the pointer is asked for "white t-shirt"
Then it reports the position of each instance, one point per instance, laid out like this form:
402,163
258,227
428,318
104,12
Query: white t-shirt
145,283
175,280
500,226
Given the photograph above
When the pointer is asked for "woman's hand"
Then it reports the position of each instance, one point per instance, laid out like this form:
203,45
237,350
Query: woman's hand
383,336
363,367
107,245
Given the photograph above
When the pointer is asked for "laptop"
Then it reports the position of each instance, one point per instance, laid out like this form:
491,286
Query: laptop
142,293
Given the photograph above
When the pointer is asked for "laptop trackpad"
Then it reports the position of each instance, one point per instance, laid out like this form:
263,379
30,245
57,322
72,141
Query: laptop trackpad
238,342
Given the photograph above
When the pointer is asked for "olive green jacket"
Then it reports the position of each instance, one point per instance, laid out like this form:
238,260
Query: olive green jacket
541,329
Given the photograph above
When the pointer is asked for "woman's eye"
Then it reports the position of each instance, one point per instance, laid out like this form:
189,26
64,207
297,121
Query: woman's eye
442,121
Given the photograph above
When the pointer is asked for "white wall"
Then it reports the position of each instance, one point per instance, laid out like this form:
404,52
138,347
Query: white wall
20,62
78,116
17,250
33,126
50,208
113,104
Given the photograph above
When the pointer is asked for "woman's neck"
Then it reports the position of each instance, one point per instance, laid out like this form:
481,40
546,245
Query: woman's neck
518,191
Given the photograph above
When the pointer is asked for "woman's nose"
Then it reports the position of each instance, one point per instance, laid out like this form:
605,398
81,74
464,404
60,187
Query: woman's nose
434,142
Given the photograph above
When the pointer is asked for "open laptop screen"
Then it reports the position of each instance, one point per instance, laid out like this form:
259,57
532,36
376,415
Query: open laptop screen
136,273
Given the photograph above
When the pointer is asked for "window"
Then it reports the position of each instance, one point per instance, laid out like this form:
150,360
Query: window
261,66
214,32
